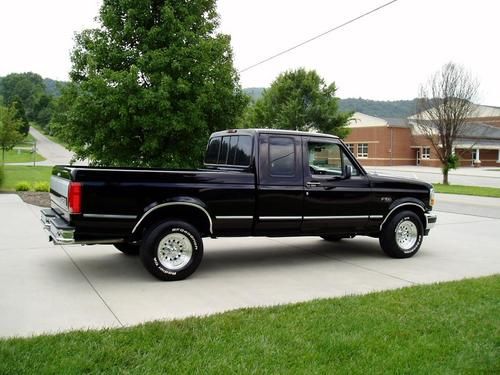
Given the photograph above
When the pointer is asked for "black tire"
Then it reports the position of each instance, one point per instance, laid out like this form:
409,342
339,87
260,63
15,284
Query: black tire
172,250
332,238
402,235
127,248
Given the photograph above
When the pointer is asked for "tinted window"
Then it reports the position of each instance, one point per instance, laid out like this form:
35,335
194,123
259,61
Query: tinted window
244,150
229,150
224,149
213,151
282,156
233,146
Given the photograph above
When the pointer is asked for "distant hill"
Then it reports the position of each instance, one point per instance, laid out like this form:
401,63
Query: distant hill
254,92
380,108
377,108
53,87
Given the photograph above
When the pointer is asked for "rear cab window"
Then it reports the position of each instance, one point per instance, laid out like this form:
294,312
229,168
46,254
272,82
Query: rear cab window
229,150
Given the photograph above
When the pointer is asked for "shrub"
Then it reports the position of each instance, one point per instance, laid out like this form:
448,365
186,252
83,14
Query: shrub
23,186
2,175
41,186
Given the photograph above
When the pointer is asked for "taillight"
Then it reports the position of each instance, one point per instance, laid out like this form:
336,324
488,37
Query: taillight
75,198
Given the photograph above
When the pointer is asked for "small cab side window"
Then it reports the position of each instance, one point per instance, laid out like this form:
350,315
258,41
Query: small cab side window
282,156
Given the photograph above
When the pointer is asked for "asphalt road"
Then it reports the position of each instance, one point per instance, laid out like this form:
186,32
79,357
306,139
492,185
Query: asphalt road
47,288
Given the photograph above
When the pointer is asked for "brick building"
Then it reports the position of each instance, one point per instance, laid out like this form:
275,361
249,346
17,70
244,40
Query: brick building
390,141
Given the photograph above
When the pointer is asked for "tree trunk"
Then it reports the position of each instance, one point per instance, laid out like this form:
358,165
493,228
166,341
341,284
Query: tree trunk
445,177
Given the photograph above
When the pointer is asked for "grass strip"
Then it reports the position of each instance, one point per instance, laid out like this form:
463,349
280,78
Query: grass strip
14,174
21,156
479,191
445,328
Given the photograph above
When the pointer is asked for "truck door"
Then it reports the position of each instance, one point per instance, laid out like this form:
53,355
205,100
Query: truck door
332,202
280,187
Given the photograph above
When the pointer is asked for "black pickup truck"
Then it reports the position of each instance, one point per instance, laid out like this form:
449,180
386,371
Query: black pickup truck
255,182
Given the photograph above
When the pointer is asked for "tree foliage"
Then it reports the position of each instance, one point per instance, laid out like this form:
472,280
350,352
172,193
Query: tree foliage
300,100
444,107
10,126
149,85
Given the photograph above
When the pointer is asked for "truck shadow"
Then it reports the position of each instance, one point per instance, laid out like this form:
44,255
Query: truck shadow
246,256
224,257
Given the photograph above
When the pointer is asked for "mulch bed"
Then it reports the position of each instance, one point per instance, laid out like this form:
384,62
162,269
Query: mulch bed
41,199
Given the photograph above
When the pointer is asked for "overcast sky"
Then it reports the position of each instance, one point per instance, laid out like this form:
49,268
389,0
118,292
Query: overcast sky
384,56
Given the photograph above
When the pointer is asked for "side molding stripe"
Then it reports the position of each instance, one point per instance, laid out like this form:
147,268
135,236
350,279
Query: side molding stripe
175,204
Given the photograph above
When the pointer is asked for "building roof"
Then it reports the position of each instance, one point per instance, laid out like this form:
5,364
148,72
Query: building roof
477,111
362,120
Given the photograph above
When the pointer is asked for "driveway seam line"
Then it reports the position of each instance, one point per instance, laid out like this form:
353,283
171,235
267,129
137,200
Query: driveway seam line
93,287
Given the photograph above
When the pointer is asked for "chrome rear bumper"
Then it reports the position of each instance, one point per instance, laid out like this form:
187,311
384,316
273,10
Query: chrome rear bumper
59,230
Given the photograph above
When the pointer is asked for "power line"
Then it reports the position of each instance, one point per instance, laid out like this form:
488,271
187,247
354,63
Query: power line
318,36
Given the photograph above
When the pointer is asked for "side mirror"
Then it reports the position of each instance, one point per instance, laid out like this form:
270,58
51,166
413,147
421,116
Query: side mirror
347,171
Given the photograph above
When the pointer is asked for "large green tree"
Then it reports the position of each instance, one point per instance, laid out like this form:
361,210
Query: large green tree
299,100
149,85
10,125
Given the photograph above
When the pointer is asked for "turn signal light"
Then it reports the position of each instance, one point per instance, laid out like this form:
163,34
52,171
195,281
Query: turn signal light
75,198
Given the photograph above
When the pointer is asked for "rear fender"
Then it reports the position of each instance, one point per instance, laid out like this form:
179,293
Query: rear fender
191,210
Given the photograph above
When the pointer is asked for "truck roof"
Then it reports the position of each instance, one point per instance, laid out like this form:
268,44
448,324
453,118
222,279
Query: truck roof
270,131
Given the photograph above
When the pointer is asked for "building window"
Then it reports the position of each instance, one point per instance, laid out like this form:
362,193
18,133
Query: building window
350,146
362,150
426,152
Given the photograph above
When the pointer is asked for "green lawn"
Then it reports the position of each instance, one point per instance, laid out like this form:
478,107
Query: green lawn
16,173
468,190
450,328
20,156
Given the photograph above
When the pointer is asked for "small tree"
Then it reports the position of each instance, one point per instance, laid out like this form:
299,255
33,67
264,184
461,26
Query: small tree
300,100
443,108
10,125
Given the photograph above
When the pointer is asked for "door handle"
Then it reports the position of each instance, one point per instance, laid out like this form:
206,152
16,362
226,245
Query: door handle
313,184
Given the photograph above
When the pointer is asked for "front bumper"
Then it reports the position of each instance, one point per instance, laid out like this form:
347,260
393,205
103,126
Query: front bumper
430,221
59,230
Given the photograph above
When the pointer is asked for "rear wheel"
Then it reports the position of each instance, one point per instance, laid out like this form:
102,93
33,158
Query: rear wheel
127,248
172,250
402,235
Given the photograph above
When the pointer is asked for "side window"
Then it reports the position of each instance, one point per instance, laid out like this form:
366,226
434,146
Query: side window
282,156
354,170
328,159
212,154
325,159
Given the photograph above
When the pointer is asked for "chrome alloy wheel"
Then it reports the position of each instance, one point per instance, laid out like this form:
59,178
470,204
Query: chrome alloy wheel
406,235
175,251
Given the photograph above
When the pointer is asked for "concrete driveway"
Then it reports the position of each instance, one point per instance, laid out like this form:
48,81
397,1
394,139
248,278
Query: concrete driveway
46,288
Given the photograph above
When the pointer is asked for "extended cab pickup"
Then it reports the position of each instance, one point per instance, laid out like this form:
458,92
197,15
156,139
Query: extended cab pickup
255,182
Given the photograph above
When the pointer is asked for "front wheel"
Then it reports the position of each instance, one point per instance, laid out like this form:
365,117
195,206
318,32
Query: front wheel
402,235
172,250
